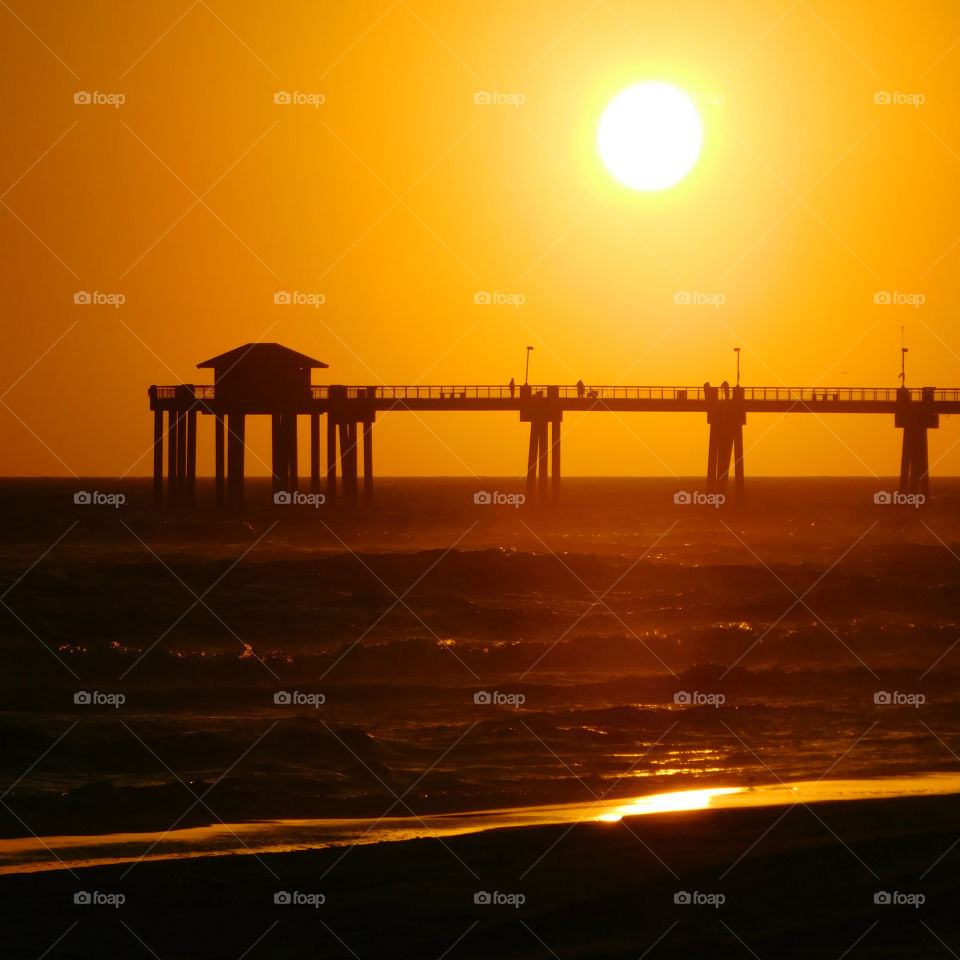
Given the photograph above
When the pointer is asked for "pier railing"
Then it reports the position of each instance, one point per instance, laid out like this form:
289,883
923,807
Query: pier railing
623,392
203,392
605,392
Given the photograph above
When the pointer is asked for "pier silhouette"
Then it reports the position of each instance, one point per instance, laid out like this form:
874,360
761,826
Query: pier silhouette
268,379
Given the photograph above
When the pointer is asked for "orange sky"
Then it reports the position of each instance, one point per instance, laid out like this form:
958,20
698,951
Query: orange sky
399,197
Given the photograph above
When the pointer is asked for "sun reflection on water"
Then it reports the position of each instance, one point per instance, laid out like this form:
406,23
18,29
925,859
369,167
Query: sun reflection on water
665,802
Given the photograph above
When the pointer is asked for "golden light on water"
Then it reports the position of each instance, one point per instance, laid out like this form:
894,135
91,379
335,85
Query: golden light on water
666,802
33,854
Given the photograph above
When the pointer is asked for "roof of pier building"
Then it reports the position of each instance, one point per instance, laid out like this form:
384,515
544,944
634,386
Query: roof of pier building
262,354
261,377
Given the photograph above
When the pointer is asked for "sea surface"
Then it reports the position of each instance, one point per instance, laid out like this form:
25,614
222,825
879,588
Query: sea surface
435,655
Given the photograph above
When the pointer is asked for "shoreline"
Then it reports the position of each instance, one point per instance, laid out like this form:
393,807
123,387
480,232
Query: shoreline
790,882
27,855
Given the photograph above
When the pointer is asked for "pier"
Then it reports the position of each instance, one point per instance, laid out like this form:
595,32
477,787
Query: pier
267,379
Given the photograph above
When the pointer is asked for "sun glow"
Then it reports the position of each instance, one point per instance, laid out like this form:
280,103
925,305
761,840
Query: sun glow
665,802
649,136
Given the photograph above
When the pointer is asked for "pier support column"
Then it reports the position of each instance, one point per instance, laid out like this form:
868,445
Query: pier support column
914,460
539,457
181,456
172,423
543,461
283,427
532,458
277,463
712,461
368,463
726,418
236,428
738,474
192,455
157,457
293,467
218,458
915,418
725,445
724,455
331,460
923,464
348,462
555,451
351,481
314,452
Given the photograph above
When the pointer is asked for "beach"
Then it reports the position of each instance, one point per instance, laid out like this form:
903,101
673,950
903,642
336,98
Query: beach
778,881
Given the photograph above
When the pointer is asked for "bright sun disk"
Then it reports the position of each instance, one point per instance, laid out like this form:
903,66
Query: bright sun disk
649,136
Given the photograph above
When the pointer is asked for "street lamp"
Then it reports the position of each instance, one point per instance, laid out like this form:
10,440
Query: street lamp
903,361
736,350
526,373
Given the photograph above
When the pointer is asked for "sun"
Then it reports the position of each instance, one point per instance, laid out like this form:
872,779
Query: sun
649,136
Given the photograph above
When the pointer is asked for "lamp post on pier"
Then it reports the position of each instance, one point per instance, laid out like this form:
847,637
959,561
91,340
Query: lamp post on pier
903,361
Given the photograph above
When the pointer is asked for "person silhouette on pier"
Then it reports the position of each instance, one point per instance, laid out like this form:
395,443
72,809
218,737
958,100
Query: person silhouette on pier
513,387
725,387
581,389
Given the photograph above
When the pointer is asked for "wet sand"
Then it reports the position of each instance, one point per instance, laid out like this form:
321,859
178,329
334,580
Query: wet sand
768,881
35,853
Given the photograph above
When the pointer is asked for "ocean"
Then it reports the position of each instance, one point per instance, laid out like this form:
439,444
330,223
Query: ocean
435,655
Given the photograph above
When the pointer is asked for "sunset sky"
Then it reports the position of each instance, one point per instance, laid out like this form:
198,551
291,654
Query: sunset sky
399,197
